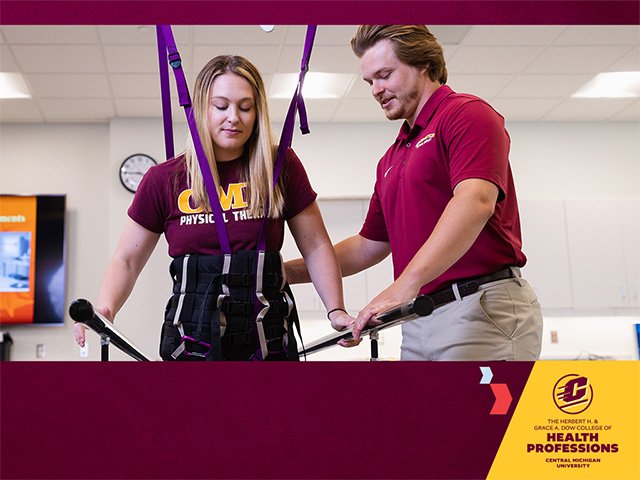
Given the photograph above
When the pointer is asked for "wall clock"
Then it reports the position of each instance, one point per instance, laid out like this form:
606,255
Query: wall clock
133,168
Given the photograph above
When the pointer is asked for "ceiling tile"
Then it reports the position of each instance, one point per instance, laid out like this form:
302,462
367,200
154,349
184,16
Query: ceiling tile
359,110
59,58
523,109
74,110
51,35
140,34
7,62
317,110
360,89
600,35
69,86
450,34
341,35
19,110
326,58
133,59
544,86
264,57
512,35
237,35
140,85
588,109
127,34
591,59
139,107
491,60
484,86
525,71
337,35
629,114
628,63
449,52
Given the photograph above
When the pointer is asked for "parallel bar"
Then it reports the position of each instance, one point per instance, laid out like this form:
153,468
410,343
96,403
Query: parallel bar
82,311
420,306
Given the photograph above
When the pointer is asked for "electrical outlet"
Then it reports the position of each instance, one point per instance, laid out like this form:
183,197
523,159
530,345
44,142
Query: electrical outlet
41,350
84,351
554,336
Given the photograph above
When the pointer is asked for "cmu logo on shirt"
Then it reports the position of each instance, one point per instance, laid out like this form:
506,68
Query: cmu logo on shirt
426,139
232,198
233,202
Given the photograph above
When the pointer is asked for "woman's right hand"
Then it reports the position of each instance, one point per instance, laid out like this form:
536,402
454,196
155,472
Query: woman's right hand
79,330
341,320
79,333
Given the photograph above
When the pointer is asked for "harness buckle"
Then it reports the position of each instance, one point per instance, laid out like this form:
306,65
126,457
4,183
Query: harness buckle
186,338
174,60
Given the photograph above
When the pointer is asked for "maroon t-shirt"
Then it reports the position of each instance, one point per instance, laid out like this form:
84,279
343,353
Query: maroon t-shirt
162,204
455,137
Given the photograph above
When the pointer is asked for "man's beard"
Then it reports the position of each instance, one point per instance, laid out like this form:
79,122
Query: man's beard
404,101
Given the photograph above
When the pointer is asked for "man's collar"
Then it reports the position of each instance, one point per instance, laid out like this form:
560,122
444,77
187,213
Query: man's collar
427,111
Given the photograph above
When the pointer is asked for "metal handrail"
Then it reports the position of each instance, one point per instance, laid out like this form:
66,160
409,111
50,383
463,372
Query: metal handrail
420,306
82,311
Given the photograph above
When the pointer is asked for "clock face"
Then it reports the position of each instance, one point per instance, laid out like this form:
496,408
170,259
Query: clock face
133,168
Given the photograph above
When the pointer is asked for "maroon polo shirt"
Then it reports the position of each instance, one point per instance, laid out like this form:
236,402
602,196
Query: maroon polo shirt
455,137
162,204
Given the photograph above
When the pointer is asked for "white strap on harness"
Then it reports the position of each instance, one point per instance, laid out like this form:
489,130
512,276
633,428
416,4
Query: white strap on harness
226,266
288,299
176,320
284,273
259,326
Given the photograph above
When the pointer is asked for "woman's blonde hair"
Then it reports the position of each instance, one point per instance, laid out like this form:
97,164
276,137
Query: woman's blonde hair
260,147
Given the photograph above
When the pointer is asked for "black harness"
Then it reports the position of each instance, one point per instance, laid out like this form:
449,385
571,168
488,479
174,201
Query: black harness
230,307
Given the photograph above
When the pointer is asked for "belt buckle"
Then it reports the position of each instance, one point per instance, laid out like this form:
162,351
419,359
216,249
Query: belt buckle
207,346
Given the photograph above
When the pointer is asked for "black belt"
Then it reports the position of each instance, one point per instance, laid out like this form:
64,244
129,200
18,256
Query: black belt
469,286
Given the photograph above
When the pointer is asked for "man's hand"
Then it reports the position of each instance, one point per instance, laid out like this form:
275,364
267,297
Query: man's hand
397,293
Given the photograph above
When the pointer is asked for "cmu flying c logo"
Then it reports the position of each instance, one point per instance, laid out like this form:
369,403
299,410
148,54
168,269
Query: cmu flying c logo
573,394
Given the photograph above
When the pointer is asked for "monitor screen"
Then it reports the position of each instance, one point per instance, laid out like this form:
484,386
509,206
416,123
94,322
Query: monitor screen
32,259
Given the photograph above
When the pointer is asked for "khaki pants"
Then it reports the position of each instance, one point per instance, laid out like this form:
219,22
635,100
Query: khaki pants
501,321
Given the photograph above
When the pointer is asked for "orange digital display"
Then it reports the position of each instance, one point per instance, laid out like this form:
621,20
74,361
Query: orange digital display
17,259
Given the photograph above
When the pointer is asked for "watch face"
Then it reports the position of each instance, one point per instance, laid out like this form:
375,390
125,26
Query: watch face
133,168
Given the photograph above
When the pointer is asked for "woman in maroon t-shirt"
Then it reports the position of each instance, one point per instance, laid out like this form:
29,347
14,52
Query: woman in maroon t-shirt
230,110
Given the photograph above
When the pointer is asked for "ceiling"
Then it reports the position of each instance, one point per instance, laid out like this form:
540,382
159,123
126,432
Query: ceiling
528,73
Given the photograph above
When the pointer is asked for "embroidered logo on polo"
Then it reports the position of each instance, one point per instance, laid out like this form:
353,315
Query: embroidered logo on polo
426,139
232,199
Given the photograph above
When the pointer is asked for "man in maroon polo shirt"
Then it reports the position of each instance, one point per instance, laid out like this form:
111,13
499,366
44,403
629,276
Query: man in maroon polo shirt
444,205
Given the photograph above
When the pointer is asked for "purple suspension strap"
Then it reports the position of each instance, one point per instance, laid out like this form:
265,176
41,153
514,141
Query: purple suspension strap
166,97
297,104
167,46
185,101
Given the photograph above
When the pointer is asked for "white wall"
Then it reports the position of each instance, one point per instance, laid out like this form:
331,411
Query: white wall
550,160
71,159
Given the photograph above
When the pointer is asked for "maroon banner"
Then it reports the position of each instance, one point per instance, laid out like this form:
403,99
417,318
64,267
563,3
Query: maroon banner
254,420
328,12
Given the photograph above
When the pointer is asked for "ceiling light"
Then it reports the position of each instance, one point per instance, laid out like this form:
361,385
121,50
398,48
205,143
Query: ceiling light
316,85
267,28
12,85
611,85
